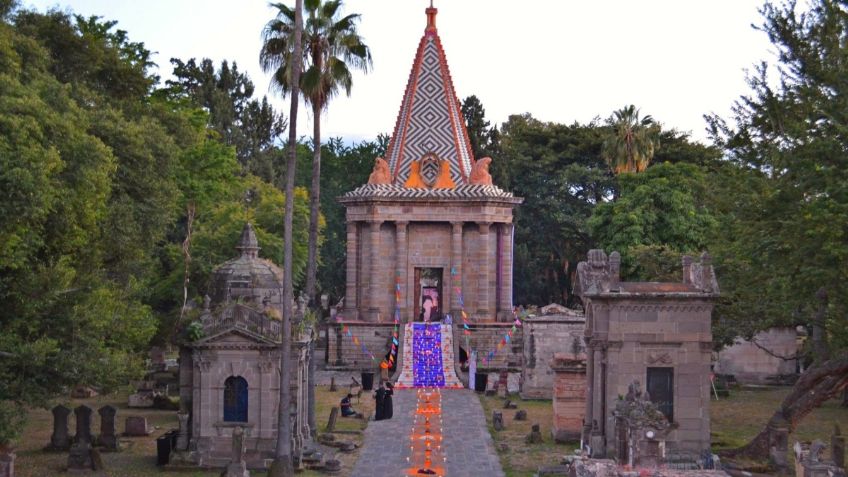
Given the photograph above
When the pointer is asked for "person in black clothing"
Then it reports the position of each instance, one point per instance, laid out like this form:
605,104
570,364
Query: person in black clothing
387,401
379,397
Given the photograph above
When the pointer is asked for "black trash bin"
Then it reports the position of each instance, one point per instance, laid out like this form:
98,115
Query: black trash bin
164,444
367,381
480,381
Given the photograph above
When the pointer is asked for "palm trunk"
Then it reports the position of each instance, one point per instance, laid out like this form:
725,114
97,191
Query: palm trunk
282,465
314,205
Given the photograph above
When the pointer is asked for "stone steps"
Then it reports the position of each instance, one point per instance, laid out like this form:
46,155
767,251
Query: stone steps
428,358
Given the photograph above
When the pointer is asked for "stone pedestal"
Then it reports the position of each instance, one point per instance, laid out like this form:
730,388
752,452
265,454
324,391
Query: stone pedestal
182,436
7,463
79,459
569,396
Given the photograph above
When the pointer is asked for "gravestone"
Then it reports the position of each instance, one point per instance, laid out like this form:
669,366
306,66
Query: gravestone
96,460
182,434
535,436
837,446
157,358
497,421
7,463
521,415
237,466
333,387
60,440
331,422
136,426
79,458
83,415
107,438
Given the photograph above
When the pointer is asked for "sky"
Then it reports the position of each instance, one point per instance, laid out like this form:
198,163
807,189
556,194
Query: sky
559,60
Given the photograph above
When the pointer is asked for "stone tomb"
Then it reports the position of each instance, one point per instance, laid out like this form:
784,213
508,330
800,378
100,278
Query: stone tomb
655,333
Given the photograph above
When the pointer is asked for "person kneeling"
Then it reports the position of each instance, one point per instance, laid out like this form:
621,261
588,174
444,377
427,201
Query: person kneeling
347,408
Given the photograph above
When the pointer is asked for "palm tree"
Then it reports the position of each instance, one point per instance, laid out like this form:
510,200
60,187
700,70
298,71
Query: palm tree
632,142
332,47
287,77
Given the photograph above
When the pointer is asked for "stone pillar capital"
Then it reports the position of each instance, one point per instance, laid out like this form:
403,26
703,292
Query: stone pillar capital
401,224
457,226
484,226
375,222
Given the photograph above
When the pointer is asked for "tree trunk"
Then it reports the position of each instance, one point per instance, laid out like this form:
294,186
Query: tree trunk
282,465
820,348
314,206
313,368
819,383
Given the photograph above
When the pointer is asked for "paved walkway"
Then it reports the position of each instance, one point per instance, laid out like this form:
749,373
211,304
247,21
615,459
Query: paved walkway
466,441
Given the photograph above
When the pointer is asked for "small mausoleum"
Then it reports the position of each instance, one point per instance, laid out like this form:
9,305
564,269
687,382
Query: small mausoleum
647,336
429,236
230,375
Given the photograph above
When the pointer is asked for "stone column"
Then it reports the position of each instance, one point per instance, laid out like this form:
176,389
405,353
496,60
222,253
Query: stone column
352,269
485,261
505,273
456,264
376,289
588,417
401,269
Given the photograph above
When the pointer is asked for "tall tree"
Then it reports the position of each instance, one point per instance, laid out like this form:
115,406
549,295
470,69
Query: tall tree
793,131
483,137
332,47
274,57
631,144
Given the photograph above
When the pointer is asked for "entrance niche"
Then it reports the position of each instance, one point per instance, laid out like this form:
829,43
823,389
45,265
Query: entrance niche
428,294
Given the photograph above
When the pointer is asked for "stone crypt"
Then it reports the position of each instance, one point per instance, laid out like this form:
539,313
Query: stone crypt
230,375
654,335
428,227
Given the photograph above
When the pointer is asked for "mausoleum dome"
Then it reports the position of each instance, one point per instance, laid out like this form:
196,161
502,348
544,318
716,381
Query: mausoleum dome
247,279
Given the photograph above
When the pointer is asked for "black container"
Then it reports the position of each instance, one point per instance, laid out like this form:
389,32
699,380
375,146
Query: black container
367,381
480,381
164,444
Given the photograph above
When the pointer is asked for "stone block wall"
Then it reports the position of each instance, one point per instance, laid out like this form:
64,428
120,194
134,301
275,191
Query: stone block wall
485,337
753,365
343,353
543,337
569,396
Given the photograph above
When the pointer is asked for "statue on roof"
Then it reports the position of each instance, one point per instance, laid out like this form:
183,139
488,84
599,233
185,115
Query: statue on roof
380,174
480,172
415,181
444,180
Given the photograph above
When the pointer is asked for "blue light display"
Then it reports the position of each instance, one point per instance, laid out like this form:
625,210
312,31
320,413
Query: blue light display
428,368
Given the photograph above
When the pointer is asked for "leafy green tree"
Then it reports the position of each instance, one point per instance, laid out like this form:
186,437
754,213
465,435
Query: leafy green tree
790,131
631,144
331,47
484,138
665,209
244,122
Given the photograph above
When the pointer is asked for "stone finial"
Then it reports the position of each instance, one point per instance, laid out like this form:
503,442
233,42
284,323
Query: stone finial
597,258
615,270
687,269
248,245
593,275
706,272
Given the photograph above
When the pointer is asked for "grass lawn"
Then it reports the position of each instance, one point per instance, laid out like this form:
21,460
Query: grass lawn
138,457
522,459
735,420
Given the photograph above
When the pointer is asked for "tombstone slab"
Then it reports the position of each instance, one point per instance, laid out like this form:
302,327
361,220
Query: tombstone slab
136,426
60,440
79,459
497,421
83,415
107,438
7,463
141,400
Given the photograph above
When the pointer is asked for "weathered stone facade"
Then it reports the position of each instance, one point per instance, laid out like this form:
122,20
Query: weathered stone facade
569,395
750,363
655,333
544,336
230,377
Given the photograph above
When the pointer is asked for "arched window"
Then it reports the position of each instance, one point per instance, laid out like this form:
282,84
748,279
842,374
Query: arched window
235,399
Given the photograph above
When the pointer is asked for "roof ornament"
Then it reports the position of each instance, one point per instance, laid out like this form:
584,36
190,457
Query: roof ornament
431,18
248,245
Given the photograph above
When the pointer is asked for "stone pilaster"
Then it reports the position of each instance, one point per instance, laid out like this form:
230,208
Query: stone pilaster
505,273
352,271
485,263
456,264
401,269
377,289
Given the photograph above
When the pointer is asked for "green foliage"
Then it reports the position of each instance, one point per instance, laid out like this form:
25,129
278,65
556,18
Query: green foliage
665,208
791,133
632,142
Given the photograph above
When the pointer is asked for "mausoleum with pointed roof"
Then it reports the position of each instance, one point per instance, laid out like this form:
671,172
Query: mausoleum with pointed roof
429,230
